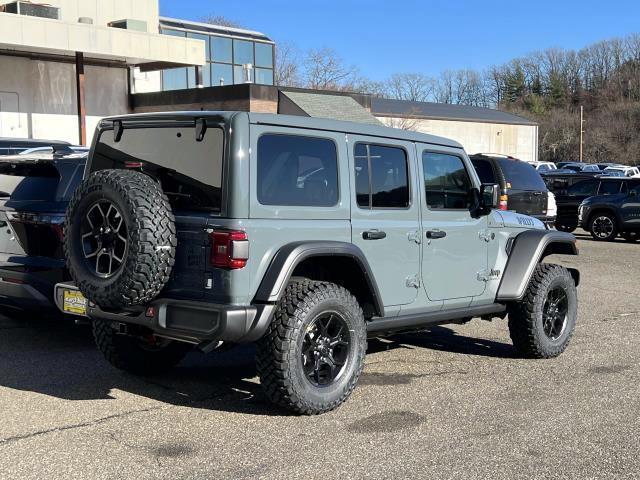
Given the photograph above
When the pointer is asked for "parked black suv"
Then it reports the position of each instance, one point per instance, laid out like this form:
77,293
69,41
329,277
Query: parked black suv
569,199
522,188
616,211
34,192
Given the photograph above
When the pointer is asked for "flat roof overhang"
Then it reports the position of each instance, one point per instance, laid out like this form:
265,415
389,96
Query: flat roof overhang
149,51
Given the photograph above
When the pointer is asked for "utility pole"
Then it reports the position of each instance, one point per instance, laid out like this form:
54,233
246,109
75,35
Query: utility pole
581,133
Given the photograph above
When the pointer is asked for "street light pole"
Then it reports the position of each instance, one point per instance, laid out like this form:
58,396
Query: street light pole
581,133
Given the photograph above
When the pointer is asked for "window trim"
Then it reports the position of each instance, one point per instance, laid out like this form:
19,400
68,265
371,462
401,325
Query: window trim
407,163
466,168
316,137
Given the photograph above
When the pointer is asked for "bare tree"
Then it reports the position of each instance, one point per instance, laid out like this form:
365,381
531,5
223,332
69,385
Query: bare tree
413,87
287,66
325,70
220,20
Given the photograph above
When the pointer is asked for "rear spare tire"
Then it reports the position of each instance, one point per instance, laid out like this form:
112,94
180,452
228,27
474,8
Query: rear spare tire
120,238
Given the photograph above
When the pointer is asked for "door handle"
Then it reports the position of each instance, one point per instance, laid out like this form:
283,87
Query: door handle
434,234
374,235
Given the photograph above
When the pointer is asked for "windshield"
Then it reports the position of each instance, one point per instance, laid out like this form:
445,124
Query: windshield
521,175
189,171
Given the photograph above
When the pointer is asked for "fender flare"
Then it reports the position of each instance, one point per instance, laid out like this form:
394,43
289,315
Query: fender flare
528,249
288,257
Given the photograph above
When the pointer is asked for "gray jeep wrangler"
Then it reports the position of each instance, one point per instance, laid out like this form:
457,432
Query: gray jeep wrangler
304,235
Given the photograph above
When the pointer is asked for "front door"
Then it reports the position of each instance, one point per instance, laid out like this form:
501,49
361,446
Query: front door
385,214
454,262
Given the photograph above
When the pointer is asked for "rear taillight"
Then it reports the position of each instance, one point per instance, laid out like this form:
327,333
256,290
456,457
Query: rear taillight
504,200
229,249
53,221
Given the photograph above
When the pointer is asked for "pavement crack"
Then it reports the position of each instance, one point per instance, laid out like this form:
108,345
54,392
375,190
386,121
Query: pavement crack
17,438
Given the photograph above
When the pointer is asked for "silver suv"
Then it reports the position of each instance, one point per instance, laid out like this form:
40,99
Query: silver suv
304,235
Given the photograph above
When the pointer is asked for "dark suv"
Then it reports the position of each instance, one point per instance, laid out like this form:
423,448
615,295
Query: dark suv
34,192
522,187
614,210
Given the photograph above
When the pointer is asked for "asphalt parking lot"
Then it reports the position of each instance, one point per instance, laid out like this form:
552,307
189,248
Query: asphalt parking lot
450,403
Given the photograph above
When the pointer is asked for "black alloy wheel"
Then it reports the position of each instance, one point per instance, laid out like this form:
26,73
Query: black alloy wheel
325,349
104,239
554,313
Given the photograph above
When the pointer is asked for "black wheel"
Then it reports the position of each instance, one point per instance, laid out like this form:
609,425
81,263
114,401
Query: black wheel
603,227
310,359
542,323
119,238
631,237
141,355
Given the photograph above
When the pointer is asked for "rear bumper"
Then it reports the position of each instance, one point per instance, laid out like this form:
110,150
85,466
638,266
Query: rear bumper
189,321
27,290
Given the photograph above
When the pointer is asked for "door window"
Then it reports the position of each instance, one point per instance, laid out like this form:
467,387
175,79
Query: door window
484,170
589,187
381,176
609,188
446,182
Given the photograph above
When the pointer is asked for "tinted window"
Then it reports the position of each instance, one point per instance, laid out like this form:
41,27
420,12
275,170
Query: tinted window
189,171
521,175
381,176
484,170
221,50
446,181
297,170
588,187
28,181
242,52
609,188
264,55
221,74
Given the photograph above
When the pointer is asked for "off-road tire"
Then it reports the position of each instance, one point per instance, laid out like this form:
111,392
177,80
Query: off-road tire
130,354
151,236
614,231
526,316
278,357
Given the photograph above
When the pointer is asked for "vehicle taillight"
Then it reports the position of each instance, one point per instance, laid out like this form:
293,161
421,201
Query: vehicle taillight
504,200
229,249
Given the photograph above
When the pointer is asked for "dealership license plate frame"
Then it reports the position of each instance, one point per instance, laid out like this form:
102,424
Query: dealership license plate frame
74,303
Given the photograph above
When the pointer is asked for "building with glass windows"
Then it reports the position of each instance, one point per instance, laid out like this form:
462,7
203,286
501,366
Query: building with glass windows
234,56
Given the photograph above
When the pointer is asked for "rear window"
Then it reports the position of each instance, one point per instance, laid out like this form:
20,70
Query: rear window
28,181
189,171
521,175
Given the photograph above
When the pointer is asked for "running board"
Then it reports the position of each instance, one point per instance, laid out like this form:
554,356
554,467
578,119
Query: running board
408,322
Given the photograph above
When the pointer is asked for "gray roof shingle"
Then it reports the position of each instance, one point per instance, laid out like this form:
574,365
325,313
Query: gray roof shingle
441,111
336,107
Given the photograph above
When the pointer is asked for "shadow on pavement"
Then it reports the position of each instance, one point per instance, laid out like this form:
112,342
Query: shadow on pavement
446,340
56,358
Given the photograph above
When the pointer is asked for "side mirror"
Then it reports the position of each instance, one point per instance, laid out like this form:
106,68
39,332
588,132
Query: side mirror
489,196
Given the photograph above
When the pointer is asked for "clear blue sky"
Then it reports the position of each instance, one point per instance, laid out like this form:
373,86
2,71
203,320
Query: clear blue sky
382,37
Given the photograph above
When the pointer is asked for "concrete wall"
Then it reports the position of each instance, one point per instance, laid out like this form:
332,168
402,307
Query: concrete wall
38,98
105,11
520,141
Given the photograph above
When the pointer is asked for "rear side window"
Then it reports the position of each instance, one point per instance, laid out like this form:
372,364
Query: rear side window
189,171
609,188
521,175
381,176
295,170
446,181
588,187
485,170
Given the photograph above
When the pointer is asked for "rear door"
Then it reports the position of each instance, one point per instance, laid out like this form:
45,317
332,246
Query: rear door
385,214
